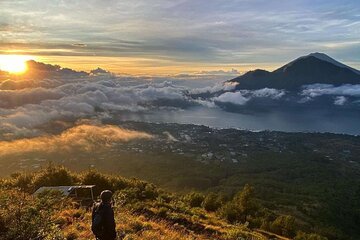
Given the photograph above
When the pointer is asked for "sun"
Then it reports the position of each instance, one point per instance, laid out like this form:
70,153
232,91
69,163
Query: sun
15,64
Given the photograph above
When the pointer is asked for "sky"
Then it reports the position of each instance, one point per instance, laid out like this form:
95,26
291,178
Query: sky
170,37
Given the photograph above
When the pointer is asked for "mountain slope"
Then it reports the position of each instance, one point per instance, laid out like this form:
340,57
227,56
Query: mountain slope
141,211
310,69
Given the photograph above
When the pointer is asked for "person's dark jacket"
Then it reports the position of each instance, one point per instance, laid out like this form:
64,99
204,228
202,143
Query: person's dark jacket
108,222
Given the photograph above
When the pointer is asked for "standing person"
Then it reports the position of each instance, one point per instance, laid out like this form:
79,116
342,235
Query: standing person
103,222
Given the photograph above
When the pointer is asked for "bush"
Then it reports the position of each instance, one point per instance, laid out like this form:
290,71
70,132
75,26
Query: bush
101,181
194,199
211,202
119,183
22,181
230,212
26,217
284,225
162,212
53,176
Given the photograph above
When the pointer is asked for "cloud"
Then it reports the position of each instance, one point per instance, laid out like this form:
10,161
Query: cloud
9,84
232,97
40,70
266,92
99,94
243,96
317,90
99,71
231,72
185,31
341,94
67,95
76,98
340,100
219,87
79,138
205,103
79,45
10,99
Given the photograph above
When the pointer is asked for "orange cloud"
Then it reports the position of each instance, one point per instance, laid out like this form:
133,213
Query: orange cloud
81,138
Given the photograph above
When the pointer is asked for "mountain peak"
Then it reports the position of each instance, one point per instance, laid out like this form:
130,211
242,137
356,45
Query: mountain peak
319,55
326,58
310,69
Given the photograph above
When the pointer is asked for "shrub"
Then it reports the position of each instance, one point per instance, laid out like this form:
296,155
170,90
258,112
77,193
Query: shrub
53,176
211,202
26,217
101,181
230,212
119,183
194,199
162,212
284,225
22,181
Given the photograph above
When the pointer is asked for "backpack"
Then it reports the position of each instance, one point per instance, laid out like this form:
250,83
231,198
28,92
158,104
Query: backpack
97,220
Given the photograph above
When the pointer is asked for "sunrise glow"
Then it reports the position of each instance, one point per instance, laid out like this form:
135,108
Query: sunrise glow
15,64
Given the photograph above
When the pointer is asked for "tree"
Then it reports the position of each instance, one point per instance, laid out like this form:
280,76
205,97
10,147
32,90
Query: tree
241,206
245,202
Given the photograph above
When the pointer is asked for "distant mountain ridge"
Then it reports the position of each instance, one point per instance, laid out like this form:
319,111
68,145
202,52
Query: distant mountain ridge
311,69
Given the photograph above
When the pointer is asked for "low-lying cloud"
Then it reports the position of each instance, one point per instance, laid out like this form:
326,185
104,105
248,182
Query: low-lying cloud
344,94
219,87
316,90
243,96
30,107
10,99
232,97
79,138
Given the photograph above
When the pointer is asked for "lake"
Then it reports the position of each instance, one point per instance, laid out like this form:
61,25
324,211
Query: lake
288,121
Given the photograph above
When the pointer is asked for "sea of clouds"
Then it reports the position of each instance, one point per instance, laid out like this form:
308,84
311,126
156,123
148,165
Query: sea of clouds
50,93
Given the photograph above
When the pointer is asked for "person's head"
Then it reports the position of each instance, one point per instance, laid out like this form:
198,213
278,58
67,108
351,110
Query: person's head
106,196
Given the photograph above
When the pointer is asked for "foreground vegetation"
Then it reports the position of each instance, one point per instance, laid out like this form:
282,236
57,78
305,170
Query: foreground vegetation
142,211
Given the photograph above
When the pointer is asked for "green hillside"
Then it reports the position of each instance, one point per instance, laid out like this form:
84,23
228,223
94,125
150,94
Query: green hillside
142,211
